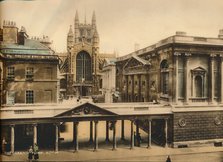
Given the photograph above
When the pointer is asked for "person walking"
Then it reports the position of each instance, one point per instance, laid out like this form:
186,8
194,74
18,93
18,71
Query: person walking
168,159
30,154
36,152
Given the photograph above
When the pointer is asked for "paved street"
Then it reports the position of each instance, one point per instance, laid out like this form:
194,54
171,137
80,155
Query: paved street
155,154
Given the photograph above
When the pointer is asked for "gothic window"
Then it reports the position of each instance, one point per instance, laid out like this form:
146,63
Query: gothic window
83,69
164,76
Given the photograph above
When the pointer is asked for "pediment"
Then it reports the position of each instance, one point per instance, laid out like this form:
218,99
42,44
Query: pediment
135,61
85,109
199,69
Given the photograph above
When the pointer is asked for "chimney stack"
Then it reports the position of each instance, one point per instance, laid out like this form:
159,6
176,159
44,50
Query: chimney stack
220,35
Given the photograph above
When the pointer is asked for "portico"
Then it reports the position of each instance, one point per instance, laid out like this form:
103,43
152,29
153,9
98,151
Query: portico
94,114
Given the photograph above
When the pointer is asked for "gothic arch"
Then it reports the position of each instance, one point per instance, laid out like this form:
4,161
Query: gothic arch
83,66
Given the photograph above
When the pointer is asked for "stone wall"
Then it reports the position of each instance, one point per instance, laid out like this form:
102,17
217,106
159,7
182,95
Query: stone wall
191,126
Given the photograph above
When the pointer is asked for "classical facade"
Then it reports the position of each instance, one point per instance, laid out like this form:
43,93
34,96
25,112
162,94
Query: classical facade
81,68
108,80
183,71
28,68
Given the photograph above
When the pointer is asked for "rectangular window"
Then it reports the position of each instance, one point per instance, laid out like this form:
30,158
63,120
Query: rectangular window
48,72
29,97
29,73
11,73
10,97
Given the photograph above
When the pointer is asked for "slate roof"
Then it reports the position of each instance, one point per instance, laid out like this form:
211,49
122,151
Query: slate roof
30,47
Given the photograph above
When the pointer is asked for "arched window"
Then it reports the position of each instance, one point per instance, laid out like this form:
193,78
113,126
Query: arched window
164,76
83,67
198,86
198,82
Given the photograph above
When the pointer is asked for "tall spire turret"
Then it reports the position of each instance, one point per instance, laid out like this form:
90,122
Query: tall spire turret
94,20
76,18
70,38
76,27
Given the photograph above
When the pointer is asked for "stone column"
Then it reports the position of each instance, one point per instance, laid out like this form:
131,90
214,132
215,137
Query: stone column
186,81
34,134
149,134
96,136
126,91
221,78
107,131
12,138
123,130
56,137
133,88
114,135
166,132
76,142
91,132
132,135
176,54
212,91
139,89
137,133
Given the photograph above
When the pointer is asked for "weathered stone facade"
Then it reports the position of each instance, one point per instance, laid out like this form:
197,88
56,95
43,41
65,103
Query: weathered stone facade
29,69
183,71
81,68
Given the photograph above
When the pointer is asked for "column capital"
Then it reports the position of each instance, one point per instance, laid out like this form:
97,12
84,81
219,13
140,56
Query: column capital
177,54
76,122
56,124
212,55
187,54
12,125
34,124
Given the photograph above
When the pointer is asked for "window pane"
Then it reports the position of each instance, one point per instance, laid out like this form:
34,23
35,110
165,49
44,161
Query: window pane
29,96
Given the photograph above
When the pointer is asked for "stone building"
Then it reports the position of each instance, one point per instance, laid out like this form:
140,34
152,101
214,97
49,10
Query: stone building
81,68
29,68
185,72
108,80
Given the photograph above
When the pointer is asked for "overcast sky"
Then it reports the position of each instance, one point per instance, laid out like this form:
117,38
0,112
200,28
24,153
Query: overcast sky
120,23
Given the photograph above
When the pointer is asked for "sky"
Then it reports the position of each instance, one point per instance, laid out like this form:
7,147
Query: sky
121,23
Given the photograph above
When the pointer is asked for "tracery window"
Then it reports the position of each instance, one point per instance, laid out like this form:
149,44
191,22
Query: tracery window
83,67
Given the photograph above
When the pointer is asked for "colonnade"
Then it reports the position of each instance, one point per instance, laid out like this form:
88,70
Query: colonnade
95,140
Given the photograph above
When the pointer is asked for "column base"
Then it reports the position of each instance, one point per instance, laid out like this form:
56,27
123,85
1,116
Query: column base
114,149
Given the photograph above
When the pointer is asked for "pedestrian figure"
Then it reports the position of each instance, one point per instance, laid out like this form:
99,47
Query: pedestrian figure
139,139
168,159
4,143
135,139
36,152
30,154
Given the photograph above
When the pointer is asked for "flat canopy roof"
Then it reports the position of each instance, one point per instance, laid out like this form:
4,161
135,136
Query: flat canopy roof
55,110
